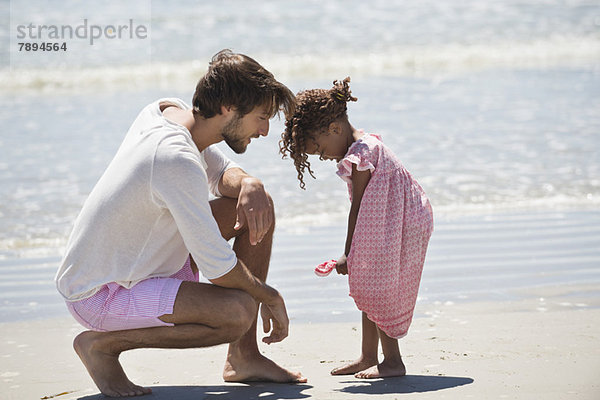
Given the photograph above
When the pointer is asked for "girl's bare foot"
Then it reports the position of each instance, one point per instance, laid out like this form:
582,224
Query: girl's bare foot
356,366
104,367
384,370
257,368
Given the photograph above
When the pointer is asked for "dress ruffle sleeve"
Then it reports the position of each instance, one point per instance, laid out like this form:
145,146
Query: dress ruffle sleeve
357,154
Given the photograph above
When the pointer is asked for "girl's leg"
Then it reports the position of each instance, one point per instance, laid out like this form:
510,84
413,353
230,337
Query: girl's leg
368,356
392,364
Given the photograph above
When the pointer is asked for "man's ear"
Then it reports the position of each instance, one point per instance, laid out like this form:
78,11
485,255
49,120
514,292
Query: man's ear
225,110
335,128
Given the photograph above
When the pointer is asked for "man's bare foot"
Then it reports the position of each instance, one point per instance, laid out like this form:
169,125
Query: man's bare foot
258,368
104,368
384,370
356,366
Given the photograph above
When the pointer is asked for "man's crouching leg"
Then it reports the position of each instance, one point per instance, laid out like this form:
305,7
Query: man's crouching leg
204,315
102,363
244,361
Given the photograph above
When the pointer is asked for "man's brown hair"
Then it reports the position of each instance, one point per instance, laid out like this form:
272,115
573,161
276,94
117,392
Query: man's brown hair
236,80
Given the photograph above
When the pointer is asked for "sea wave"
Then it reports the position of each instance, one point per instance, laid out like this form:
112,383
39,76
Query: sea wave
301,221
430,60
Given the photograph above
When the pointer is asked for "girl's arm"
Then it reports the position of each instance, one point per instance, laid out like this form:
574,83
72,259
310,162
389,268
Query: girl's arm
360,180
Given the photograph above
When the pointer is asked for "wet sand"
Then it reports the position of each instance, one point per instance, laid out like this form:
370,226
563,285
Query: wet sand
519,350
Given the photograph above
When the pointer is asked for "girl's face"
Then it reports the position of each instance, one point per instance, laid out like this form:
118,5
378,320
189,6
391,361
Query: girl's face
329,145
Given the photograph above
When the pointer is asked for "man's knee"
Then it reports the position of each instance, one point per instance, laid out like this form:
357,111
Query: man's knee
243,309
272,211
272,205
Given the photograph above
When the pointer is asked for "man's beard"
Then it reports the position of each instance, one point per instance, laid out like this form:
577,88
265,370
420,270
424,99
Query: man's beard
230,134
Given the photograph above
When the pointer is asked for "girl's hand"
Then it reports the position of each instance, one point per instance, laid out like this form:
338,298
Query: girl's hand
340,265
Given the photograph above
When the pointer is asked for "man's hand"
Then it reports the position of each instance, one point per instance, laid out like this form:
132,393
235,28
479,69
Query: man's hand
254,209
341,266
274,316
272,311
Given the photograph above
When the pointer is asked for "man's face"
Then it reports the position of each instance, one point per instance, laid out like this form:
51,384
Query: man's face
238,132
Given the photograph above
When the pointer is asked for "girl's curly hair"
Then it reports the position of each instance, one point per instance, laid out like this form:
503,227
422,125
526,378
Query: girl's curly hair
315,110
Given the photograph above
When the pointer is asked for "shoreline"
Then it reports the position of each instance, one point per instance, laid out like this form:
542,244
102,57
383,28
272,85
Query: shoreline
518,294
517,350
488,257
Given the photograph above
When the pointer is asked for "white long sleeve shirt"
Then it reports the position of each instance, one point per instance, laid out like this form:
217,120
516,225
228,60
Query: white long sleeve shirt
149,210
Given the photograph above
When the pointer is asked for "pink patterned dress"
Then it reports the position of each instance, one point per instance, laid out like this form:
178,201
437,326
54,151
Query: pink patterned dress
394,224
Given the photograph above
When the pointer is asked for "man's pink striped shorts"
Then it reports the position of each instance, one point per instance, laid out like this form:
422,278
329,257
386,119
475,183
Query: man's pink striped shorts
115,308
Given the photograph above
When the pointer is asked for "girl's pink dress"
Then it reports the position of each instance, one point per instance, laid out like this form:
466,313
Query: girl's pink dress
394,224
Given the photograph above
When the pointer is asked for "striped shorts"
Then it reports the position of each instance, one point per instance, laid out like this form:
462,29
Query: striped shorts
114,308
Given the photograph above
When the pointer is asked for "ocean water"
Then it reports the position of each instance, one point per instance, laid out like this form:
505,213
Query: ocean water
493,107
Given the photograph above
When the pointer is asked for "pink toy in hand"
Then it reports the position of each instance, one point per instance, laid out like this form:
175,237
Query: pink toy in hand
325,268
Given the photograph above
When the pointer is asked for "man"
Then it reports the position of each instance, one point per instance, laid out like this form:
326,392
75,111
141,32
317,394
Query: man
150,214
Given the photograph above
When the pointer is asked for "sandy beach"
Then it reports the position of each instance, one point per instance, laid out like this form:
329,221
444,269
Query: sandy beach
508,308
517,350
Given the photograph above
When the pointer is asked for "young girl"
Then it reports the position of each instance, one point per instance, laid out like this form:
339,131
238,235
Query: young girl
389,225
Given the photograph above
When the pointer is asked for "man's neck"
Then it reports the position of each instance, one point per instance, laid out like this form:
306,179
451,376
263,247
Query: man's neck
205,131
